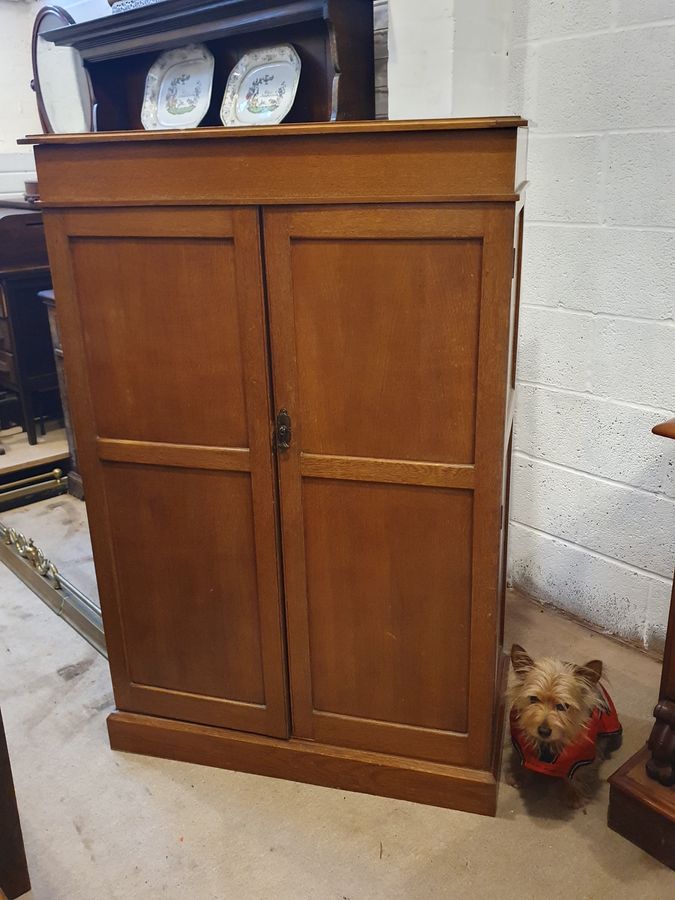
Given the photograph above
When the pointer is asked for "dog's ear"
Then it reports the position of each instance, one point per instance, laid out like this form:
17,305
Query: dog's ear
591,671
522,663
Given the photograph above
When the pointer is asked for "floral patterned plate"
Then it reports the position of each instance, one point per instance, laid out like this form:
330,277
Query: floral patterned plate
178,88
262,86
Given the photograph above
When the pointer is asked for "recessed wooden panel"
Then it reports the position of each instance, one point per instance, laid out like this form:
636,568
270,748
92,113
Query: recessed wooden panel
387,346
389,579
185,564
162,338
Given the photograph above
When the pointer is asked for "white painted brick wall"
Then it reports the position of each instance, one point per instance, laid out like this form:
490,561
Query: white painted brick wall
566,174
632,12
19,112
586,433
618,521
480,60
635,361
556,18
555,347
421,36
15,170
562,270
593,509
640,177
612,80
448,58
548,568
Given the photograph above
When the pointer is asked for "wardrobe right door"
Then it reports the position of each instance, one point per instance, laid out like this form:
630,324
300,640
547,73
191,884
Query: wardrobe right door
389,335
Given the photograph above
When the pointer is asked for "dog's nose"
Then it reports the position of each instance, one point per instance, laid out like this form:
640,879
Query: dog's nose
544,731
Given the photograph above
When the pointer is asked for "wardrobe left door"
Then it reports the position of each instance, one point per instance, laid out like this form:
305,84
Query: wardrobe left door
163,325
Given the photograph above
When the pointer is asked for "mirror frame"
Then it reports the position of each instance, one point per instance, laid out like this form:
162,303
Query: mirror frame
66,19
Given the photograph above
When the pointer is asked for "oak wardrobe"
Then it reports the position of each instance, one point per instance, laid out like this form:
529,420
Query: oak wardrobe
290,355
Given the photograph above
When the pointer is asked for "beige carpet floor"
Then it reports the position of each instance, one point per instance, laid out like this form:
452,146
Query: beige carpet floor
59,527
101,825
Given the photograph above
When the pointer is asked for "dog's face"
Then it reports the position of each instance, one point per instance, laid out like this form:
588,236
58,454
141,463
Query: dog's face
554,699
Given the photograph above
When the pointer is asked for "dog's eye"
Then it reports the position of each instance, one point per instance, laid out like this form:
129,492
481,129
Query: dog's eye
562,707
533,699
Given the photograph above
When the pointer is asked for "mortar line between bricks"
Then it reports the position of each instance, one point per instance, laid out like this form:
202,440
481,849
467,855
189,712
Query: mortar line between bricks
583,35
551,223
604,556
612,482
538,132
670,323
603,147
589,395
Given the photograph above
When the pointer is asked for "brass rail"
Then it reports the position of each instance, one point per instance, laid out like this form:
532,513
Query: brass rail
29,563
55,475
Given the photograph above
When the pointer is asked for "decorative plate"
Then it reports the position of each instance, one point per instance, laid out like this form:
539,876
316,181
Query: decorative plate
262,86
178,88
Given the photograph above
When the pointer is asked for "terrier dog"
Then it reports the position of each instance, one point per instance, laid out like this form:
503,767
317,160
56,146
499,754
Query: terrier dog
562,718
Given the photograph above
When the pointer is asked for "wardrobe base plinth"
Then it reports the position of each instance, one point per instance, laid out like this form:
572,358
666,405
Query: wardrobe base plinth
453,787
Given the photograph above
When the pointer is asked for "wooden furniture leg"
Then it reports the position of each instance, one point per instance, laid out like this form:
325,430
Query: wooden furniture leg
28,416
14,879
661,744
642,791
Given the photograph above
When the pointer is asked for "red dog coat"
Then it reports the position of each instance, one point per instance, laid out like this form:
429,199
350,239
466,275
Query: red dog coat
603,723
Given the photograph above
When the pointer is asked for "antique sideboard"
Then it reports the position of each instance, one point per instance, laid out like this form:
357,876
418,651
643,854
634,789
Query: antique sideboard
290,354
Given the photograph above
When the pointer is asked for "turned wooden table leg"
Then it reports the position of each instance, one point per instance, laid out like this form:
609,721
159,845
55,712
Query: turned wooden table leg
661,744
642,791
661,765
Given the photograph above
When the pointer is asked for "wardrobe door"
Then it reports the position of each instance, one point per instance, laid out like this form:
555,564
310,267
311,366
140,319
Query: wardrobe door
389,330
162,318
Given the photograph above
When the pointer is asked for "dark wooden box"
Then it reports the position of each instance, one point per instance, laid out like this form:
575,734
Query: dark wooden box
334,39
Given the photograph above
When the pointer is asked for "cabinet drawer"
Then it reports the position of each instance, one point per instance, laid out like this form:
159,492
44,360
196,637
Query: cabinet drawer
7,365
5,336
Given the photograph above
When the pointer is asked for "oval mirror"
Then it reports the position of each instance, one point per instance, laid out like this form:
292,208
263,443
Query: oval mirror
60,81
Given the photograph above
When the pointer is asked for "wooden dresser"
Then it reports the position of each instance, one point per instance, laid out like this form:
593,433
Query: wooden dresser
290,354
642,791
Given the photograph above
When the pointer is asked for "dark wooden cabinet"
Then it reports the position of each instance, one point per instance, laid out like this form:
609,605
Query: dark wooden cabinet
27,367
290,355
333,38
75,486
